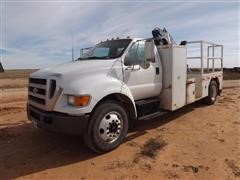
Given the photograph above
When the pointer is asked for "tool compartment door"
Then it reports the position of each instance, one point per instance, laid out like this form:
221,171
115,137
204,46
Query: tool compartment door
173,95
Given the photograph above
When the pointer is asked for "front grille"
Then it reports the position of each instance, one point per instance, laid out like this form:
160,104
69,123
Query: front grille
41,92
36,99
52,88
37,91
38,81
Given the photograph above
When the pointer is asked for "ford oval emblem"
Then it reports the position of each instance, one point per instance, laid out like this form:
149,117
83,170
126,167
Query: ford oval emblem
35,90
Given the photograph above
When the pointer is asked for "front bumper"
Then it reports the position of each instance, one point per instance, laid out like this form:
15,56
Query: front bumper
57,122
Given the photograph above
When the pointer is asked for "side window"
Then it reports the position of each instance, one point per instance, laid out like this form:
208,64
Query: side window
132,54
140,51
119,50
135,54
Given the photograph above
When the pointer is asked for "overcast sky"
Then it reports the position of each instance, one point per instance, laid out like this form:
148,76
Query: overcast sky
37,34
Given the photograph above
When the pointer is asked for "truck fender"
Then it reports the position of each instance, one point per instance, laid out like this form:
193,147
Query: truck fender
123,95
103,86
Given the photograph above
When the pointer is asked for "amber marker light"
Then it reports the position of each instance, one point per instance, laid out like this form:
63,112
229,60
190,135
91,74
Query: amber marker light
79,100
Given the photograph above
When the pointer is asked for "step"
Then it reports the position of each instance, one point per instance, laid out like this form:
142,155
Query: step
147,106
152,115
146,101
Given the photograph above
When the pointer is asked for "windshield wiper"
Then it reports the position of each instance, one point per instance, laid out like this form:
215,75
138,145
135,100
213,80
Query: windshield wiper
113,57
96,57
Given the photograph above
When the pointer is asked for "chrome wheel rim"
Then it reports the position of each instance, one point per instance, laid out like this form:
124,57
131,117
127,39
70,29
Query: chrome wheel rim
110,127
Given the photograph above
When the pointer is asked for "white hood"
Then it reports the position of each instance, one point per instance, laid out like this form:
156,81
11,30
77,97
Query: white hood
76,67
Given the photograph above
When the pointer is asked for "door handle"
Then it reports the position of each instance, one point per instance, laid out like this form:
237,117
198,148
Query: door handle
133,68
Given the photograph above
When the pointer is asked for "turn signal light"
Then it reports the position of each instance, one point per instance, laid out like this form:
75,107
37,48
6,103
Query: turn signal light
78,100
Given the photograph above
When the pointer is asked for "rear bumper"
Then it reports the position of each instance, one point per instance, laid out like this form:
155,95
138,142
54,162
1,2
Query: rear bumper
57,122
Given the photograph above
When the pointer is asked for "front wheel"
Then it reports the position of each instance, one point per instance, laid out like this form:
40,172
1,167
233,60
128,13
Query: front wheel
212,93
107,128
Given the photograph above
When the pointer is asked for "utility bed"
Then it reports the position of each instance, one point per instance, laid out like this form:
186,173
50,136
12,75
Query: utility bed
183,85
208,52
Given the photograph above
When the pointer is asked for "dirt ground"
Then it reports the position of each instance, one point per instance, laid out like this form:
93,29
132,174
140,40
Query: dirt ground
195,142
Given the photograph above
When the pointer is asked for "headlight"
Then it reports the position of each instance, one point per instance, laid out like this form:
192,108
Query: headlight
79,100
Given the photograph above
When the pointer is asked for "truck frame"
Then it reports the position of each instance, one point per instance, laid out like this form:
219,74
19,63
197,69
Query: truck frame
120,81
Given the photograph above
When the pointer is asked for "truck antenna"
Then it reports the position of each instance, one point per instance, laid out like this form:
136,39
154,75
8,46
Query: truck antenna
72,48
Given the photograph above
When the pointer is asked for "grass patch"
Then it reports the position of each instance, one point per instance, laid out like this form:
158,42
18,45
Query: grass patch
16,73
152,146
232,165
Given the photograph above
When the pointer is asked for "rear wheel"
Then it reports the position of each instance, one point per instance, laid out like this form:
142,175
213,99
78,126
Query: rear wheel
212,93
108,127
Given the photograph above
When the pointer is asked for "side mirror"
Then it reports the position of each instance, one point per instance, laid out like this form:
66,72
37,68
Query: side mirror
149,51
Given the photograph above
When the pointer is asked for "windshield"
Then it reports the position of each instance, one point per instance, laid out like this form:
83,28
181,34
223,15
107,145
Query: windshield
107,50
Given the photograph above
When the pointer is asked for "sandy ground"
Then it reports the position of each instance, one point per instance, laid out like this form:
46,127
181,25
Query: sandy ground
195,142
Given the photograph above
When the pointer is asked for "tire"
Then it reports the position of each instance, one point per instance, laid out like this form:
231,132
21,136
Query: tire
212,93
107,128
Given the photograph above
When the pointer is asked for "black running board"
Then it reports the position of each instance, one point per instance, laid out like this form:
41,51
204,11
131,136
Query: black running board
152,115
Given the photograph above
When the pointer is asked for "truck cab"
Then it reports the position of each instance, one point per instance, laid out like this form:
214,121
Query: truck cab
112,85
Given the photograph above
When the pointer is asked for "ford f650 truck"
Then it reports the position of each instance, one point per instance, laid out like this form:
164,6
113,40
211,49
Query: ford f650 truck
119,81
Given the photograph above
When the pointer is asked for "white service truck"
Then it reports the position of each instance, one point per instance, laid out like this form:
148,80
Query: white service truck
119,81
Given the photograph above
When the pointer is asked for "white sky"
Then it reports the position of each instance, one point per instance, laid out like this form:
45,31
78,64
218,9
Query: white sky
37,34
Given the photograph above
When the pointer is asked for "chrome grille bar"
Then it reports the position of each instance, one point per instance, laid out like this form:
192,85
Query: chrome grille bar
40,86
37,92
43,93
36,95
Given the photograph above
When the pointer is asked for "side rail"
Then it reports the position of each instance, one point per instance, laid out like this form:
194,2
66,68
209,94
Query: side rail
208,52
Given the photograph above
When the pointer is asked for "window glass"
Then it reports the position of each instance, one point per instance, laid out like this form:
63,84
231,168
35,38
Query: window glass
136,54
119,51
101,52
140,51
132,53
107,50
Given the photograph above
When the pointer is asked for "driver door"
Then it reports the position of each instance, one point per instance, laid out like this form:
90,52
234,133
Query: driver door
141,77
